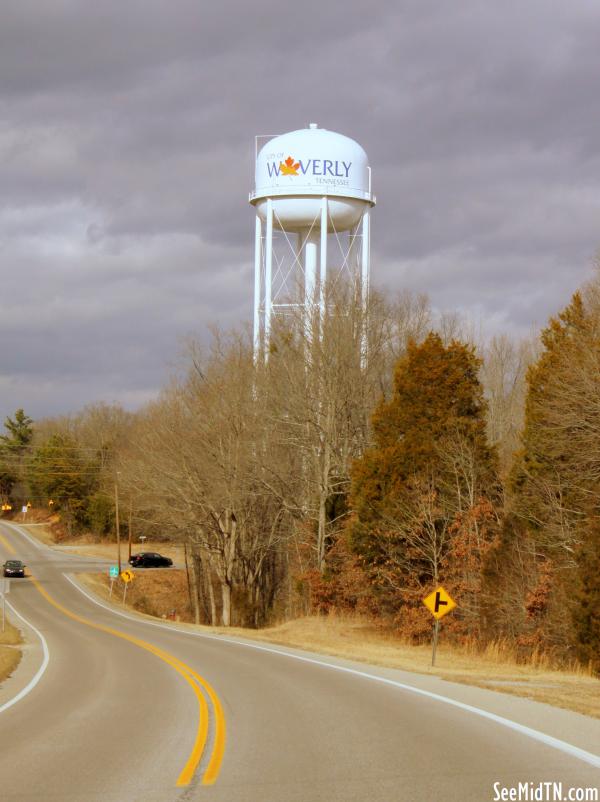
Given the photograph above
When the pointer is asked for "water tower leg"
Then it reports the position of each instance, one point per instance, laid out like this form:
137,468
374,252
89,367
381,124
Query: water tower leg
298,252
366,255
268,277
257,285
323,262
354,238
365,278
298,258
311,245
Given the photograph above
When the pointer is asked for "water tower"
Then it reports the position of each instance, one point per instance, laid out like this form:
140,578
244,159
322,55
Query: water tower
313,200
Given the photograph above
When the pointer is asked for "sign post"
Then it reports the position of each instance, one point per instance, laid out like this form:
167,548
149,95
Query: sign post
439,603
126,576
113,573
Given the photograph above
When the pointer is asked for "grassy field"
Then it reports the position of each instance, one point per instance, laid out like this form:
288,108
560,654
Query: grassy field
10,654
164,594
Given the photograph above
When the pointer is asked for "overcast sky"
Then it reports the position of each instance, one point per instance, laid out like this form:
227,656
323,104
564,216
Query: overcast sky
126,142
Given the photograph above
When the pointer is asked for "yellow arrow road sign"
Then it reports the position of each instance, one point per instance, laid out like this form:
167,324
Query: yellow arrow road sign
439,602
127,576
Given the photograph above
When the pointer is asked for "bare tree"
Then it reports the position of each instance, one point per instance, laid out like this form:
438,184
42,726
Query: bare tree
193,466
503,375
322,390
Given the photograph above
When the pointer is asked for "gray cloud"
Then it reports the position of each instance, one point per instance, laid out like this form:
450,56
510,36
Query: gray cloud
126,147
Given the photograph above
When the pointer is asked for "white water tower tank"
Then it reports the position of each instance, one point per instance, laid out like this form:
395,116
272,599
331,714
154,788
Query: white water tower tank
297,169
308,183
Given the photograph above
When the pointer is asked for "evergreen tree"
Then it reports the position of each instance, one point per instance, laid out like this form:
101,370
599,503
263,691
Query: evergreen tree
13,446
20,432
586,613
7,479
556,478
425,494
100,515
57,471
547,490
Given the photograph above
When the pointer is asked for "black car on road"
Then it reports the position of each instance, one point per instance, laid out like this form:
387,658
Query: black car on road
14,568
149,559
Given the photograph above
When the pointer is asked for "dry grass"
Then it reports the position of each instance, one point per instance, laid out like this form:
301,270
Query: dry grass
9,660
10,656
11,635
495,668
355,639
163,593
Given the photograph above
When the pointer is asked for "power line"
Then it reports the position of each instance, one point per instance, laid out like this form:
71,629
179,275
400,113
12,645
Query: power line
47,444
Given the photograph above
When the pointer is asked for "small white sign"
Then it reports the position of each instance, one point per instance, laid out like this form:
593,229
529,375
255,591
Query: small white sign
24,508
4,586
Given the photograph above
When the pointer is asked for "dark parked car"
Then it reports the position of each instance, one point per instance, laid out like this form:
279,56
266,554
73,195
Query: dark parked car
149,559
14,568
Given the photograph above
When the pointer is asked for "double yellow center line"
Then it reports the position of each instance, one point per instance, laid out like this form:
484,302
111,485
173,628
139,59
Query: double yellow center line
194,680
7,545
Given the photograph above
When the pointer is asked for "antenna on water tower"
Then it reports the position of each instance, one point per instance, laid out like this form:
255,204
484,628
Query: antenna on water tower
311,186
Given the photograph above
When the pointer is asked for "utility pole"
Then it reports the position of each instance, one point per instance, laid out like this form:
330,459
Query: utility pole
117,526
129,525
187,572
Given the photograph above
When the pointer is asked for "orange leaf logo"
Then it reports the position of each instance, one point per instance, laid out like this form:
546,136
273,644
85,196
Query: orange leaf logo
288,167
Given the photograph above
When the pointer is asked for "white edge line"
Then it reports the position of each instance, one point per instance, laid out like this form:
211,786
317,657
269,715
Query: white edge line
536,735
30,685
26,535
34,681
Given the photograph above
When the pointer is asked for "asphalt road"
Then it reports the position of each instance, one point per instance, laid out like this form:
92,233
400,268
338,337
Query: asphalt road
130,711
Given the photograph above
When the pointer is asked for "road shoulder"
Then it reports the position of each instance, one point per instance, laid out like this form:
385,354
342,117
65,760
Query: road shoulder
31,667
